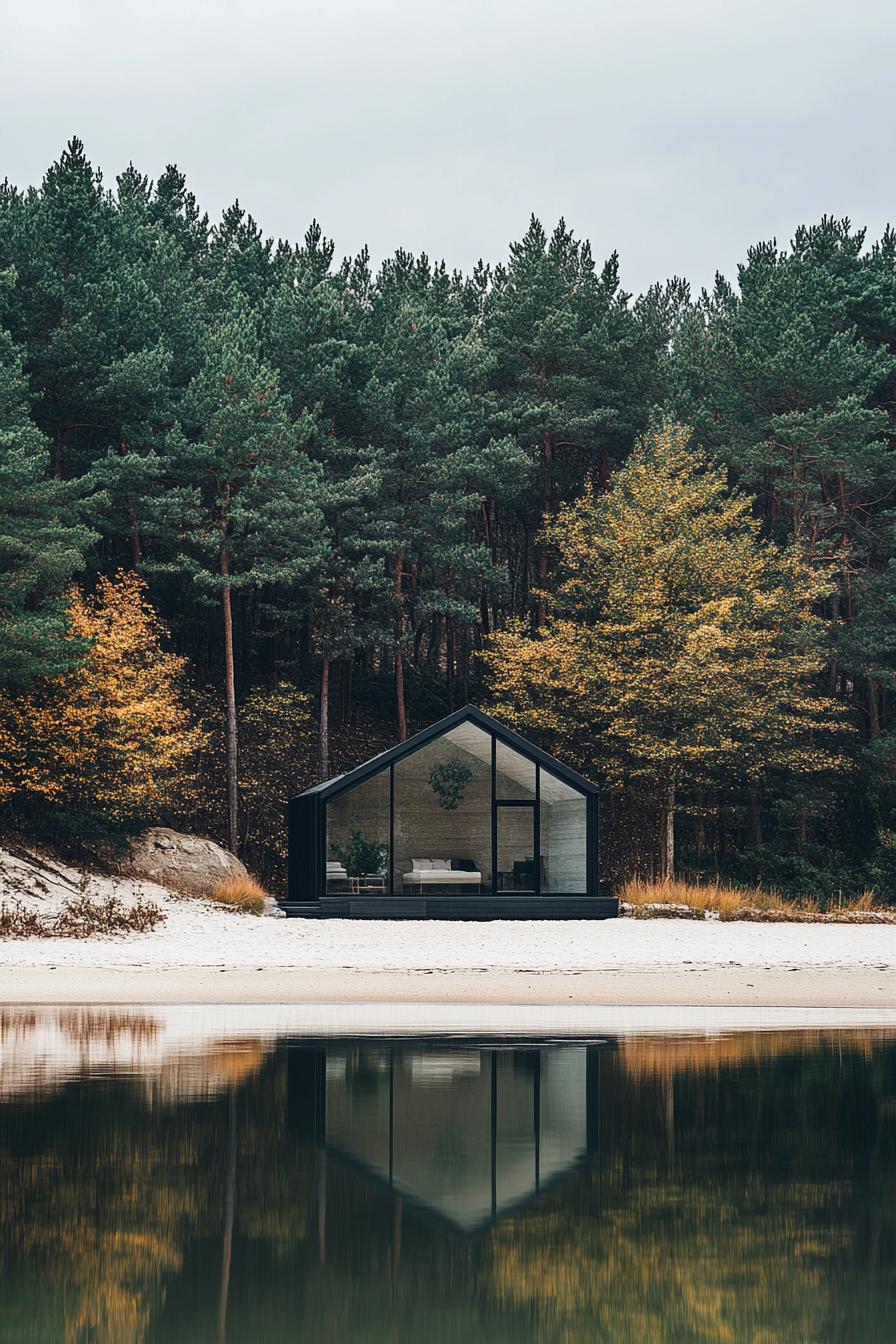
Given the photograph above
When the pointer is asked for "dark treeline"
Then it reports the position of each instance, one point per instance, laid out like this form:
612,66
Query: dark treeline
334,478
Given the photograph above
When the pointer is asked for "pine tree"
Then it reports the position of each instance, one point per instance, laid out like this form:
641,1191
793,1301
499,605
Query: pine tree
241,505
778,379
313,327
575,371
239,260
42,542
680,649
174,210
789,377
430,447
62,306
98,291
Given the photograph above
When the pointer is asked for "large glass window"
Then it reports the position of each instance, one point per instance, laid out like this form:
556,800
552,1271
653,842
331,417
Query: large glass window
564,832
516,1136
467,1134
514,774
358,1106
358,838
443,809
432,824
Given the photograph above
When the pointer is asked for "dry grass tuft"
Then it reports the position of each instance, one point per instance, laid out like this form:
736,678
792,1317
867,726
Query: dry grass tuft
731,902
720,897
243,894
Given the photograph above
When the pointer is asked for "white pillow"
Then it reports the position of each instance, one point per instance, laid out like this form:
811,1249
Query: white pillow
421,865
443,865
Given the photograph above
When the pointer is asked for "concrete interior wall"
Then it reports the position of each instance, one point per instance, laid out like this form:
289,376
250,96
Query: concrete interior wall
563,843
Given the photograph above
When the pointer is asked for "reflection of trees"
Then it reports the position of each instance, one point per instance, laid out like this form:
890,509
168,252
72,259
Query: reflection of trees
102,1194
768,1218
43,1051
672,1264
642,1056
99,1209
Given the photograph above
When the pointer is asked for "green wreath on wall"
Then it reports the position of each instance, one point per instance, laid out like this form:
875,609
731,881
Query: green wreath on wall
448,782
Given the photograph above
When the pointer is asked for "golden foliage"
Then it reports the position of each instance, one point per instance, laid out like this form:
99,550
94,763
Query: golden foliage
670,1262
112,734
679,646
105,1214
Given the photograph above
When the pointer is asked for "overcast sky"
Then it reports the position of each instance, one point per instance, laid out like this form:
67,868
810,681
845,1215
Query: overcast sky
675,132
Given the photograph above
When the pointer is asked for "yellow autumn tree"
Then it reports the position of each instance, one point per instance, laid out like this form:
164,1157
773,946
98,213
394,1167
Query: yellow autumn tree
680,648
111,735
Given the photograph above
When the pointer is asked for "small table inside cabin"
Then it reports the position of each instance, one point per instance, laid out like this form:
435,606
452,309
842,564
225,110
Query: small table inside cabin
367,882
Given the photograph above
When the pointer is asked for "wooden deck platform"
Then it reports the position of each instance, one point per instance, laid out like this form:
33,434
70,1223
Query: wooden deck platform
454,907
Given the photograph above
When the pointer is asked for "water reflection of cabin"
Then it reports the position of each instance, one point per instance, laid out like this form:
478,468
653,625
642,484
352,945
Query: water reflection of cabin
466,820
462,1135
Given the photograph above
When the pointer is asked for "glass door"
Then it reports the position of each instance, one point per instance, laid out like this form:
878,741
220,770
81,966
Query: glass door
515,847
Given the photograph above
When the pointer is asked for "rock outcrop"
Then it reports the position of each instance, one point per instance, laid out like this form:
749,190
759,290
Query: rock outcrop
189,864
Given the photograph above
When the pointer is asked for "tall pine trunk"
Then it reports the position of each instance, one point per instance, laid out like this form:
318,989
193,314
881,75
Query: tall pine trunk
449,661
399,697
345,688
229,1206
400,704
230,697
324,741
873,709
136,546
547,501
667,836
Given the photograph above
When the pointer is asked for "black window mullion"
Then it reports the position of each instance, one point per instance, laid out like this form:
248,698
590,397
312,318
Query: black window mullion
391,830
494,816
536,858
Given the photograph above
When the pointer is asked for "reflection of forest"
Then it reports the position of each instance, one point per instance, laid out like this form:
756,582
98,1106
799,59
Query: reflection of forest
42,1049
741,1190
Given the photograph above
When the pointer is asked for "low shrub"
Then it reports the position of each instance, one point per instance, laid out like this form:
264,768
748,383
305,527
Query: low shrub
80,917
17,922
243,894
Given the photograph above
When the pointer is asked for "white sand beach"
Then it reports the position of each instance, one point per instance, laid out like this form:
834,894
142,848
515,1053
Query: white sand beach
202,953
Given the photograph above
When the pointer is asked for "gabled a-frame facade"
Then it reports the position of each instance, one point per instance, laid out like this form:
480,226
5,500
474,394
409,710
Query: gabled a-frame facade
465,820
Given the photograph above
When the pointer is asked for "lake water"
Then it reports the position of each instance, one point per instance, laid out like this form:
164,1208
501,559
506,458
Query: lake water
249,1187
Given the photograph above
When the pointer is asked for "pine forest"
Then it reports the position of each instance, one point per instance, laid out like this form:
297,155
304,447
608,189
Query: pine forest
265,511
